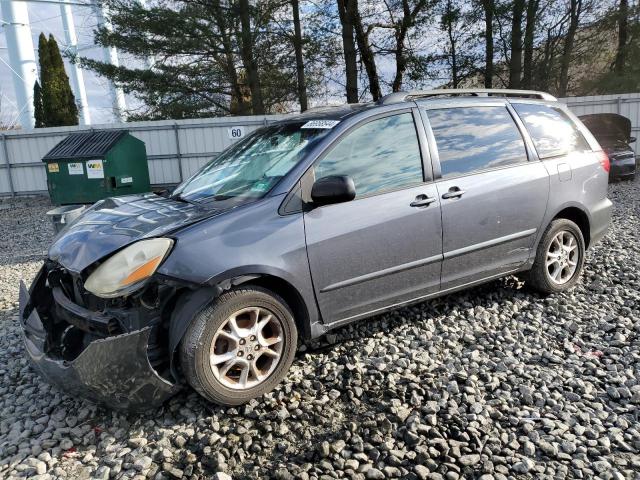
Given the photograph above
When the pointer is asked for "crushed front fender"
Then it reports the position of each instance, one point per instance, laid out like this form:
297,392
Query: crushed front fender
113,371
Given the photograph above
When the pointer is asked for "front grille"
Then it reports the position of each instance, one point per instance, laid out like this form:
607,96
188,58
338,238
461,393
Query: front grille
71,306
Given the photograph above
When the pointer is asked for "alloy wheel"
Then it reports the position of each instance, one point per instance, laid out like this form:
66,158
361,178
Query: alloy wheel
562,257
246,348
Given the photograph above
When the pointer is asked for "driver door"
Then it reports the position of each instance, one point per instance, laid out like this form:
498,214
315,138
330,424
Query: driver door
384,247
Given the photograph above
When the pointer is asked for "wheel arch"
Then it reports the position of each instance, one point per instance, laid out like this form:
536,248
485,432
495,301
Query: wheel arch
193,301
578,216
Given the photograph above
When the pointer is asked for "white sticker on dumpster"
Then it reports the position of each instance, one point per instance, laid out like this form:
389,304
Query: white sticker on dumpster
76,169
95,169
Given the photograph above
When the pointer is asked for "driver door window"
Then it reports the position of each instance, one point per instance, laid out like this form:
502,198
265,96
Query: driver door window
382,155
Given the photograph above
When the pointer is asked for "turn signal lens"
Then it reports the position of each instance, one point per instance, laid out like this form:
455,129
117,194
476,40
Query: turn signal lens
126,271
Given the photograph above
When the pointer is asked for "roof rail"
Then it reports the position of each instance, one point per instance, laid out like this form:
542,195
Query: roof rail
324,108
399,97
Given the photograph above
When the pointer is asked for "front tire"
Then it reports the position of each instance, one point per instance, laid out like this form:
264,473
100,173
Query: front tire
239,347
559,258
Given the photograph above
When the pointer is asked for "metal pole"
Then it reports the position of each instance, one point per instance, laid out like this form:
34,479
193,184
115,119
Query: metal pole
111,56
8,164
21,57
75,72
178,153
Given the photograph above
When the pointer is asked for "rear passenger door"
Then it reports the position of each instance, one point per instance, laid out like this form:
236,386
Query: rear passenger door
493,196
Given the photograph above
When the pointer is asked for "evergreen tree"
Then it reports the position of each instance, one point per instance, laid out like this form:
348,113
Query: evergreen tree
37,104
212,57
56,101
45,73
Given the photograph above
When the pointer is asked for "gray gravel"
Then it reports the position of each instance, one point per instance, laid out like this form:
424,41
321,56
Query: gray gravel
495,382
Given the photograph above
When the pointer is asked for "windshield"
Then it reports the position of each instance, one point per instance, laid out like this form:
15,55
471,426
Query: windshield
251,167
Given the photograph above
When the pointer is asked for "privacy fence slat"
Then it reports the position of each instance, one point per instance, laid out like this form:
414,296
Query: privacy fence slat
178,148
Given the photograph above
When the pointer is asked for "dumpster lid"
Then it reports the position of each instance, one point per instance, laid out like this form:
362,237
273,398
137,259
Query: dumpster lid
85,144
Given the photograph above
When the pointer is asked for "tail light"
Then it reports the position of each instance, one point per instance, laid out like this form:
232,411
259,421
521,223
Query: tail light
603,158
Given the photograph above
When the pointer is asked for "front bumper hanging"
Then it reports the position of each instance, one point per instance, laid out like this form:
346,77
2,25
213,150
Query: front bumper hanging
113,371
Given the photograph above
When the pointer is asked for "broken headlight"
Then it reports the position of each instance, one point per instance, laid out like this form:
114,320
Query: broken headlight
128,269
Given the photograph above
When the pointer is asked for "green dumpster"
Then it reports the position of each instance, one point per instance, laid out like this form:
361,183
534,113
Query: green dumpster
88,166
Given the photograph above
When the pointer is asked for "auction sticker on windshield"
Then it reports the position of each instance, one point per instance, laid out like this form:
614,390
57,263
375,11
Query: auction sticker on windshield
321,124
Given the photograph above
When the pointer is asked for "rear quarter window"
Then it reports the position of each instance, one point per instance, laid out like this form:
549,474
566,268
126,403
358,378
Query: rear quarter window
552,131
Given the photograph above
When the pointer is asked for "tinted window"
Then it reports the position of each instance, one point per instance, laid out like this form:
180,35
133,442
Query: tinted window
552,131
472,139
381,155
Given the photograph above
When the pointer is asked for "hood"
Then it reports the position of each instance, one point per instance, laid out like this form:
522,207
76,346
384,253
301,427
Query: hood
608,128
114,223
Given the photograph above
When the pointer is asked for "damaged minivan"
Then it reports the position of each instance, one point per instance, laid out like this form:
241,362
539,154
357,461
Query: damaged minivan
613,133
308,224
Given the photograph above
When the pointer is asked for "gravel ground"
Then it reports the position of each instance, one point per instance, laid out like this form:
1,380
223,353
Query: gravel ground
494,382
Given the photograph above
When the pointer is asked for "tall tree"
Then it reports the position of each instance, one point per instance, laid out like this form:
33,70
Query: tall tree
347,13
55,101
488,7
449,20
529,31
366,53
402,26
575,11
623,33
515,65
248,57
297,44
460,51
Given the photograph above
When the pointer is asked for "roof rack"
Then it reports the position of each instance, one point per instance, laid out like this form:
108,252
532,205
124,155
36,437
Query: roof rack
324,108
399,97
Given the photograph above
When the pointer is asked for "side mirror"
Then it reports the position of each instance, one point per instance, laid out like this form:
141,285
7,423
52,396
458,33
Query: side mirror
632,139
333,189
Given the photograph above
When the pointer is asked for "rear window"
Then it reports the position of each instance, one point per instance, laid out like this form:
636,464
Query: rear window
552,131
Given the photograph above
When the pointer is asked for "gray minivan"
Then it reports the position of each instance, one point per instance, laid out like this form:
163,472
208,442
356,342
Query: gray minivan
306,225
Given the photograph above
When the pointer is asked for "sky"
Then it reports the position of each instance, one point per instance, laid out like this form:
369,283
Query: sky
46,17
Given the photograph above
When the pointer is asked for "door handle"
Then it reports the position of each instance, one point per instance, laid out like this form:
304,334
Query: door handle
422,201
454,192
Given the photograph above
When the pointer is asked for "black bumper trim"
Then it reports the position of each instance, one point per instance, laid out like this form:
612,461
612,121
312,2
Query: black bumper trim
114,371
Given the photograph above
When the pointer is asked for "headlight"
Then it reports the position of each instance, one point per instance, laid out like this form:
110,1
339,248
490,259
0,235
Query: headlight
126,270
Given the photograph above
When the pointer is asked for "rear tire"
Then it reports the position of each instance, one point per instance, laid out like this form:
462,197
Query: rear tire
239,347
559,258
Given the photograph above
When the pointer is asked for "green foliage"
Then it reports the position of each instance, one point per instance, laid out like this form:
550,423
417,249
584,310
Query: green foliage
54,102
37,104
198,67
628,80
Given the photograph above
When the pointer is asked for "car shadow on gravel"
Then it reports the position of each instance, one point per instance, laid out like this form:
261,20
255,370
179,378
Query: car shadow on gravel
483,296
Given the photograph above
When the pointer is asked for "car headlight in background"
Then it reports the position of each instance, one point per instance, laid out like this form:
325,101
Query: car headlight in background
126,270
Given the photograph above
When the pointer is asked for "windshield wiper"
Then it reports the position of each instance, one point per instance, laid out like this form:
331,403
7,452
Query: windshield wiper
180,198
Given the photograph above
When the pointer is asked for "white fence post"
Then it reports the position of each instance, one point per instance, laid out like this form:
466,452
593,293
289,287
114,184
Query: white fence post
7,165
